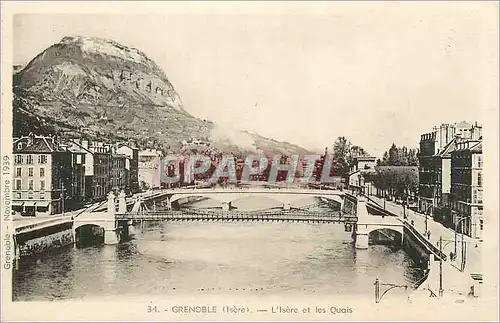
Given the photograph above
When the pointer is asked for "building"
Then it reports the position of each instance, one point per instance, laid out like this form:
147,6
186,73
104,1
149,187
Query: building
467,187
132,154
101,182
149,168
434,157
82,146
364,163
48,178
358,177
119,173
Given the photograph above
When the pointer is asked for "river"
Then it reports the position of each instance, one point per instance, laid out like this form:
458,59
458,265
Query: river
169,258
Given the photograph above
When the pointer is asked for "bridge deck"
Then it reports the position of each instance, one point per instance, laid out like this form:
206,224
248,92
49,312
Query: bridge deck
197,215
432,249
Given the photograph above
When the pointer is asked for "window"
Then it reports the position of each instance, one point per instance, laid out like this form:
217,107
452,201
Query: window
30,172
30,195
18,159
30,184
481,224
42,159
18,171
42,172
18,195
477,196
29,159
479,179
42,185
480,161
18,184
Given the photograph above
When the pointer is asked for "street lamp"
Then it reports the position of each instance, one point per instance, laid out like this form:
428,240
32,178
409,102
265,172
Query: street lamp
377,284
462,237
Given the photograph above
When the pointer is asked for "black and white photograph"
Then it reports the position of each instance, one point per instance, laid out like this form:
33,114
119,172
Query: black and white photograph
250,161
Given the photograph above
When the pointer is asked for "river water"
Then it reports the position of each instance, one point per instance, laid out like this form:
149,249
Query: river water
186,258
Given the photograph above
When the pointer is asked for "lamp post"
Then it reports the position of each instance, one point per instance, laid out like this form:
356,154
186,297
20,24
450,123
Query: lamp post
377,284
462,238
440,267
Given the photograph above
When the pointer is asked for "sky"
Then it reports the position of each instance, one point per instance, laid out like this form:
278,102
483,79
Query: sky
376,73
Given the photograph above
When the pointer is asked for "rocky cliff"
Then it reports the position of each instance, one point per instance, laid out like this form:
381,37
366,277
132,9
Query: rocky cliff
103,90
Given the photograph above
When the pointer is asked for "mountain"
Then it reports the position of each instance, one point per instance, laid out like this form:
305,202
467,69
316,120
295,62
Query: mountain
103,90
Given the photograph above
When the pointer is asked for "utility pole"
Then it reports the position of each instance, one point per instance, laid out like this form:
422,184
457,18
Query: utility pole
464,254
61,197
440,267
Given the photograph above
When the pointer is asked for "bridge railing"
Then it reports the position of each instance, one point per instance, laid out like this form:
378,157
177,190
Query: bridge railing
432,248
33,226
235,214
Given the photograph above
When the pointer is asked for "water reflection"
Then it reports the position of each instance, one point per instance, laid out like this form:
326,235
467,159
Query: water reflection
219,258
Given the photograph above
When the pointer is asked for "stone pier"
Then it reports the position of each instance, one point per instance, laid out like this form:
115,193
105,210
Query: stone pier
110,232
286,206
362,229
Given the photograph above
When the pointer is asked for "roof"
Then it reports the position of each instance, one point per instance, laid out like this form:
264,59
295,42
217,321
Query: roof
81,148
473,146
36,144
448,148
478,148
369,158
126,145
383,168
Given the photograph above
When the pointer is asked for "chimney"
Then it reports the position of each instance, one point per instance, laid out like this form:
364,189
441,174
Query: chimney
85,143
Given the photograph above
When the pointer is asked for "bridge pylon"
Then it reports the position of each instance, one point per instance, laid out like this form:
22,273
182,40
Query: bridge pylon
110,234
361,227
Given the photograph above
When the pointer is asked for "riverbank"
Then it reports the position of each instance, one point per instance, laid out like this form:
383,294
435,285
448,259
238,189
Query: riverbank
457,282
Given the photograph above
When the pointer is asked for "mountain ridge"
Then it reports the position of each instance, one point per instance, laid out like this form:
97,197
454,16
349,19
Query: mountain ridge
94,87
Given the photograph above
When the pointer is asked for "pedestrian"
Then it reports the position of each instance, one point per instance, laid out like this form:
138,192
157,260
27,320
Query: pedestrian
451,255
429,235
471,292
412,222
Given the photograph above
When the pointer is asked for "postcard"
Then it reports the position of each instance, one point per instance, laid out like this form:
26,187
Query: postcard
249,161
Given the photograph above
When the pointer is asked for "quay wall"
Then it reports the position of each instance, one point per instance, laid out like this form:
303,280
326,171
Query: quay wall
45,239
417,252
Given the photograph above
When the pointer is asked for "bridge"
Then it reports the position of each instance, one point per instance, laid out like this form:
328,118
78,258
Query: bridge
354,212
285,196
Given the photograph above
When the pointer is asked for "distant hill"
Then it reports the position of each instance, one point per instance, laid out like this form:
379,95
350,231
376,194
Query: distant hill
103,90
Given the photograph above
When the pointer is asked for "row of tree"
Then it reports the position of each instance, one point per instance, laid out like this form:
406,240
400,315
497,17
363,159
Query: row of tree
397,174
399,156
400,182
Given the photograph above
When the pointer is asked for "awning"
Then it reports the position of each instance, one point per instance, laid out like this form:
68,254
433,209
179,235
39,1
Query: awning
31,203
42,204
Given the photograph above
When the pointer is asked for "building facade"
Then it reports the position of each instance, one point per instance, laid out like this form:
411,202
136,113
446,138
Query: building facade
132,154
467,188
48,178
435,167
120,176
101,182
359,175
149,168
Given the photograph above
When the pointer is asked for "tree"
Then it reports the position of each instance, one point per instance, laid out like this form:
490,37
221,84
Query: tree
398,181
344,154
396,156
341,152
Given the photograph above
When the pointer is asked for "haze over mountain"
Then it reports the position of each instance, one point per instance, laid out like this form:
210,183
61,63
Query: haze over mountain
104,90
